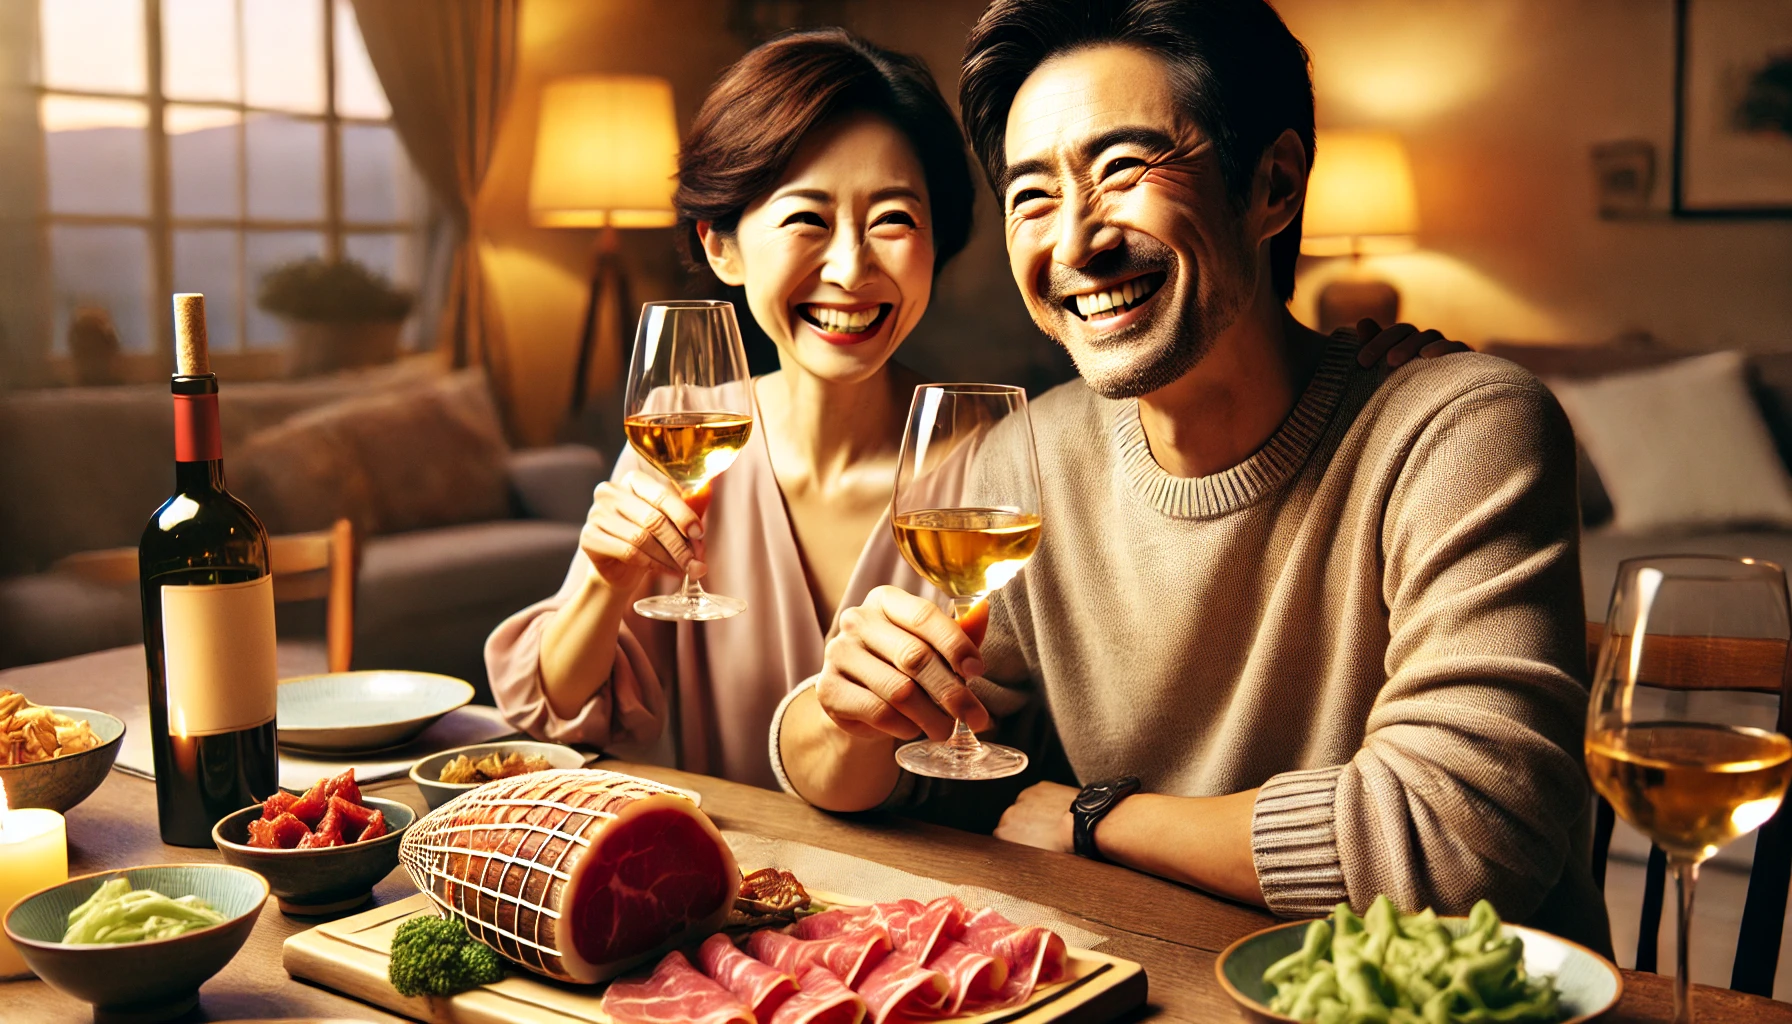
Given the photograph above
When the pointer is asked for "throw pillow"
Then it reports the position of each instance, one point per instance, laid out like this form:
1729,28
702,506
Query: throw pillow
1681,446
403,459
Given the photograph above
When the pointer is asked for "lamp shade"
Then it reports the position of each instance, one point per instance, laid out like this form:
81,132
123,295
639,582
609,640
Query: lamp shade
606,153
1359,196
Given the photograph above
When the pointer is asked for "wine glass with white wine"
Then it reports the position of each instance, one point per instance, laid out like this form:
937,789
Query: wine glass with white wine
688,414
967,545
1681,732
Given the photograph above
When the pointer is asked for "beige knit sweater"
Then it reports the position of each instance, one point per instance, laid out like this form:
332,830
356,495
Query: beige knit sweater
1377,618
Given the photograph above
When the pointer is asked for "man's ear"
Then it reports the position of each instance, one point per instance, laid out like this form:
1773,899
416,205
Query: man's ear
1281,185
723,254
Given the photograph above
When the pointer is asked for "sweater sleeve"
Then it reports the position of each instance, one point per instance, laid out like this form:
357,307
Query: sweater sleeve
630,707
1469,781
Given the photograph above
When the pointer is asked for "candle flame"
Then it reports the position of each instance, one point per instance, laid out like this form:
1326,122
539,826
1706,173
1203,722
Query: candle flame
180,722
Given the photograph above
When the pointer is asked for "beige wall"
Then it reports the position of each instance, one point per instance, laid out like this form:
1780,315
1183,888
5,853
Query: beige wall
1499,100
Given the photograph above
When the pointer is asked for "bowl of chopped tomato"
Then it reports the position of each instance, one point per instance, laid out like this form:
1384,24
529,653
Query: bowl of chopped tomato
322,851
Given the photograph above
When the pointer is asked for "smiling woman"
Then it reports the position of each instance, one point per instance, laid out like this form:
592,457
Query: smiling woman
826,179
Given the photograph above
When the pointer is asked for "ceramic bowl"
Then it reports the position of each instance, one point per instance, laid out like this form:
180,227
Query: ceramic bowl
356,712
311,883
427,772
138,981
62,782
1589,983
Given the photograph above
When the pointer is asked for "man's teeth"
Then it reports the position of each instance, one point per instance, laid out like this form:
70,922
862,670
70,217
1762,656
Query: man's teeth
840,321
1118,298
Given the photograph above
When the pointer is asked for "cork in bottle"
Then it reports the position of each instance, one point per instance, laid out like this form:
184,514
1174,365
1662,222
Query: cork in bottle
191,358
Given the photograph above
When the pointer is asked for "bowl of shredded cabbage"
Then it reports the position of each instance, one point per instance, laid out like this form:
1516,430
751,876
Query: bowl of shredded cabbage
138,943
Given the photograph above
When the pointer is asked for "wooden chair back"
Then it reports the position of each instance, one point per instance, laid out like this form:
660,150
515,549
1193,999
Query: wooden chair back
1714,663
307,567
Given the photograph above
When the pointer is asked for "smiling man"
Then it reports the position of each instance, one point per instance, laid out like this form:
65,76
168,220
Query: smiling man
1301,631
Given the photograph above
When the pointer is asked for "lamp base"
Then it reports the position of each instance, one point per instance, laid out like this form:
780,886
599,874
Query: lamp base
1347,300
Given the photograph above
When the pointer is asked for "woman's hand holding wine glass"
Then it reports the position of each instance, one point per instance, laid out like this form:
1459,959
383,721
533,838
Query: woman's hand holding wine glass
689,414
638,525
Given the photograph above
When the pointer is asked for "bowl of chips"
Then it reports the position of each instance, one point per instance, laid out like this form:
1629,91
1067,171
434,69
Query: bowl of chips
54,757
446,775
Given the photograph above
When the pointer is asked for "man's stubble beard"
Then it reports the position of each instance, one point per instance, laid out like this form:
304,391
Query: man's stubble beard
1174,343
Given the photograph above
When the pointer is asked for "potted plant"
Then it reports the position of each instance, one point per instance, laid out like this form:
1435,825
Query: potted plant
338,315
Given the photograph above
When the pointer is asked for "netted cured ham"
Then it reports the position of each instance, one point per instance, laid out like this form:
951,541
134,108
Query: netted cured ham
576,874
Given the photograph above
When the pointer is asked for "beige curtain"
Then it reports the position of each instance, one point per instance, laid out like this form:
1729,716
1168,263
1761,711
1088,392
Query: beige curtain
447,66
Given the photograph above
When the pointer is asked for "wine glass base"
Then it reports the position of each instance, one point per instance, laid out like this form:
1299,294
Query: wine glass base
942,760
679,608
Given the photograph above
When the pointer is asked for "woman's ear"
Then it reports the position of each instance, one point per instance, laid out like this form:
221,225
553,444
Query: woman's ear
722,252
1281,183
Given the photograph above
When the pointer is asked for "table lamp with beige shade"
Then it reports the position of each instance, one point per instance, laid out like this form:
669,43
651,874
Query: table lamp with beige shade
606,156
1360,203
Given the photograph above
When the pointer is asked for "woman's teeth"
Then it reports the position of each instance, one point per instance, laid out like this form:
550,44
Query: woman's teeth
1118,299
841,321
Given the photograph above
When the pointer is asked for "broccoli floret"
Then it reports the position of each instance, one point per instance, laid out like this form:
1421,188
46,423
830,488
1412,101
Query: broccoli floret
435,956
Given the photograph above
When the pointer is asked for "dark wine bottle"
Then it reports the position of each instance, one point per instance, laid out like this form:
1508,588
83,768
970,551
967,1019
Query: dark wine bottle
208,618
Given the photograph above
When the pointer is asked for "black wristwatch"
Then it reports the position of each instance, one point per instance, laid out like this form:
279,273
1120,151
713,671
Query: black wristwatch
1092,805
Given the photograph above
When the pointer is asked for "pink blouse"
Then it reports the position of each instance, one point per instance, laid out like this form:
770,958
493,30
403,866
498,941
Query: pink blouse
717,684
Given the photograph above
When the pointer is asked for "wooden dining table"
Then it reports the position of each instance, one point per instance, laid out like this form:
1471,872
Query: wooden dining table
1175,932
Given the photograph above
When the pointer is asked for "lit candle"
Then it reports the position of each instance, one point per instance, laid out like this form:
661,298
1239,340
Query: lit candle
33,854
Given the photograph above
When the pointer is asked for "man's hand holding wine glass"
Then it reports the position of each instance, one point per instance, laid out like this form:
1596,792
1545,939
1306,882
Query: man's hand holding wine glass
896,662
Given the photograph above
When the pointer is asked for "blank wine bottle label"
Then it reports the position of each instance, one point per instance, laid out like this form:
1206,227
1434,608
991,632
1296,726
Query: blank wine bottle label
218,641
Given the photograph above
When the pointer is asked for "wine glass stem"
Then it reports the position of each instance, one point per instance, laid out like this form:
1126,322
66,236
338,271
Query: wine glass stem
1686,876
690,591
963,742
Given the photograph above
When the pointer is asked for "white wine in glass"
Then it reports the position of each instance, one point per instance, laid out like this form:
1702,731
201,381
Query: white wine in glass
1681,735
966,550
689,412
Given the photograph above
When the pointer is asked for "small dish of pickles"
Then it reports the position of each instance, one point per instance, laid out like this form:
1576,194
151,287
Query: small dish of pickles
448,774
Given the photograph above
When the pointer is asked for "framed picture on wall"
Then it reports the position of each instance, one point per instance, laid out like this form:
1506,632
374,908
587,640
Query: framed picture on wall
1733,108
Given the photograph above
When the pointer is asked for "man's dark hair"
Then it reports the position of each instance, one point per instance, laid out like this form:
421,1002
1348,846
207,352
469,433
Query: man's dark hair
1243,75
761,109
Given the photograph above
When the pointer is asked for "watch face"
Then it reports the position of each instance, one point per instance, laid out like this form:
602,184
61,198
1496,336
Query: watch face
1094,796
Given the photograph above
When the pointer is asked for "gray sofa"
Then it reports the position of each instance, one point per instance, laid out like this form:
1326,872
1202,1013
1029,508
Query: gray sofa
82,468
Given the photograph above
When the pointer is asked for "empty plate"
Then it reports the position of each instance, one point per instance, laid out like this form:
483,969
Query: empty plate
355,712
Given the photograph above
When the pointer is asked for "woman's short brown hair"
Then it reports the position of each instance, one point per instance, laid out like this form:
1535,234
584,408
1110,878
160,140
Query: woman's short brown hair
761,108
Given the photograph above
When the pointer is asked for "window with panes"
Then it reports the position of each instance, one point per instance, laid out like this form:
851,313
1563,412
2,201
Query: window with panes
193,145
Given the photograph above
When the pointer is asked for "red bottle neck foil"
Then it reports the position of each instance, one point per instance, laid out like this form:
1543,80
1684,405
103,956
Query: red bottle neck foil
196,434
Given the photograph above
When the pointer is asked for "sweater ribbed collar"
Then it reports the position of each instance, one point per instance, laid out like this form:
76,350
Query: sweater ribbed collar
1271,466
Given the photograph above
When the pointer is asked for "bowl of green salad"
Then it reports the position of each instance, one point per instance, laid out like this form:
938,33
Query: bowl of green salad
1415,969
138,943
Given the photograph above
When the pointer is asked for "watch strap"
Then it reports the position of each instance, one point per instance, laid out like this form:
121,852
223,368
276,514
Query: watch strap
1093,804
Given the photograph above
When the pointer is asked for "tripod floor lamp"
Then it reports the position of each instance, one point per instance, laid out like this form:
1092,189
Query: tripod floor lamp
605,157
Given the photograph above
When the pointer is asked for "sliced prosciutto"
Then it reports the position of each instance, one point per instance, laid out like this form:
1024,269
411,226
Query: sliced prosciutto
850,957
758,984
823,999
899,987
977,978
914,928
677,993
575,874
1034,955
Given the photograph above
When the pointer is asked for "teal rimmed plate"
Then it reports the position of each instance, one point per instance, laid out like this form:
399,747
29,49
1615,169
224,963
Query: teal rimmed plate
1590,984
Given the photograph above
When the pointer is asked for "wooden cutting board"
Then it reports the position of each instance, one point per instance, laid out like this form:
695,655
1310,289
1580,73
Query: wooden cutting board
351,955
